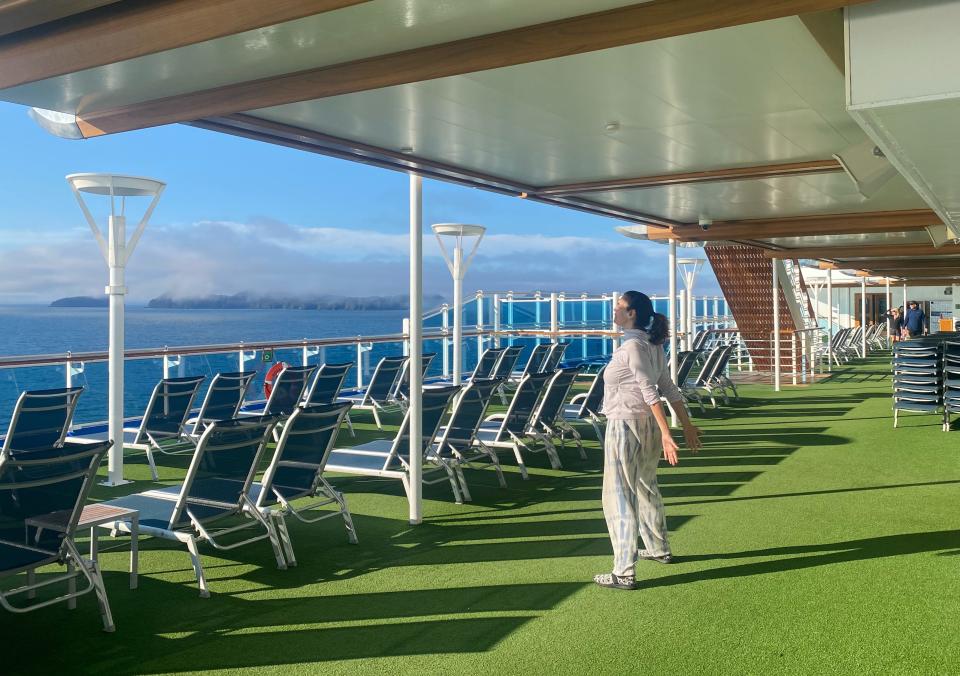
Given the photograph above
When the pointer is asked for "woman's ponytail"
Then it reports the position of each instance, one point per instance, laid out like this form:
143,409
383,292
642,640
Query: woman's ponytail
660,329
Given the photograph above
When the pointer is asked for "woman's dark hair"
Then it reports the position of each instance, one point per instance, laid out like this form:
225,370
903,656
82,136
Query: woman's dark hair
654,323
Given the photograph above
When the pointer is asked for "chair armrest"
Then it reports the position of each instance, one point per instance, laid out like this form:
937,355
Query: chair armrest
495,416
579,397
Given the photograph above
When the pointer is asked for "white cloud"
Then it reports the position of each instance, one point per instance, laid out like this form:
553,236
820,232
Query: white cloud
273,257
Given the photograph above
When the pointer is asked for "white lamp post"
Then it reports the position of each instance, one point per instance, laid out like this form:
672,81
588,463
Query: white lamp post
459,234
116,250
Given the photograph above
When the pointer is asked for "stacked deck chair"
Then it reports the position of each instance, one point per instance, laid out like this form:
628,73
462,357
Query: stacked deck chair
163,426
326,387
950,370
391,458
41,418
916,379
401,391
222,402
535,362
587,405
42,494
510,430
216,488
296,473
378,395
455,445
547,422
703,380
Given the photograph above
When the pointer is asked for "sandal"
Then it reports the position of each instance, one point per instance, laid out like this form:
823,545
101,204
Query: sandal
616,581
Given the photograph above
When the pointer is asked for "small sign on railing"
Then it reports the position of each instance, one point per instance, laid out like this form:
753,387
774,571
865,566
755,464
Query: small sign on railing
267,356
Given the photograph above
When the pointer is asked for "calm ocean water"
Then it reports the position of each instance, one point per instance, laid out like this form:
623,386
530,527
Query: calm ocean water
44,330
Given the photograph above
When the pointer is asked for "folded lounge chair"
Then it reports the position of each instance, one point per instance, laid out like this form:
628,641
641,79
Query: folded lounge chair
217,486
296,472
41,418
391,458
42,494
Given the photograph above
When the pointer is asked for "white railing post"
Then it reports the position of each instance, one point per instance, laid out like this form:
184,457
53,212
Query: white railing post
406,336
830,321
480,338
554,319
496,320
793,355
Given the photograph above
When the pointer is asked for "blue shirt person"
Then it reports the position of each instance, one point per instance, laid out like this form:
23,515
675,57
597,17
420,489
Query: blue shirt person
914,320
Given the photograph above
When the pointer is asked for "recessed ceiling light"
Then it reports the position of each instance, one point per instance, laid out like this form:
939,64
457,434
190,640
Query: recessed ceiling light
612,126
406,150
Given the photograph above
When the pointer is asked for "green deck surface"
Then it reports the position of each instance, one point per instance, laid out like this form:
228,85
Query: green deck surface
811,538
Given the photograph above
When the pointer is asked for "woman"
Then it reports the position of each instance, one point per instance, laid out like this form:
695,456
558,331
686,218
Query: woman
894,325
637,435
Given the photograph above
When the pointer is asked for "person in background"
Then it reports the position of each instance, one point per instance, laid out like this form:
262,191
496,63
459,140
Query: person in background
637,435
915,321
894,324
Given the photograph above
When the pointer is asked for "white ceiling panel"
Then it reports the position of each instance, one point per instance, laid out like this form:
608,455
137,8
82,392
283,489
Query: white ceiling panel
361,31
893,238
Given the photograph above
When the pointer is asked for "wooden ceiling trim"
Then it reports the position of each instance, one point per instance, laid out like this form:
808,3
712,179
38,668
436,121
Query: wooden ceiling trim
632,24
135,29
800,226
867,252
694,177
20,15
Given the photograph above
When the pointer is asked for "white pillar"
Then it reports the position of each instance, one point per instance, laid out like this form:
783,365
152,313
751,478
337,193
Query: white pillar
889,301
416,347
684,319
445,343
863,317
615,341
554,318
457,315
480,338
830,320
776,324
116,291
672,316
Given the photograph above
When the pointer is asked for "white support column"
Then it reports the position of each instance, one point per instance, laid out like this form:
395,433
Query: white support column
445,343
672,317
554,318
863,317
416,349
830,320
887,322
684,319
716,312
480,338
776,324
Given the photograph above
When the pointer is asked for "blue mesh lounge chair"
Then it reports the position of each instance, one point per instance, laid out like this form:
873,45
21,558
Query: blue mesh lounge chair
586,406
685,364
223,400
217,486
41,418
554,357
326,386
507,362
42,494
535,362
379,394
508,430
163,426
487,364
296,472
390,458
547,423
401,390
288,390
455,445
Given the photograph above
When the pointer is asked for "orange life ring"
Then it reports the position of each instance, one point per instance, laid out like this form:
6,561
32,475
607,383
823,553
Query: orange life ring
271,377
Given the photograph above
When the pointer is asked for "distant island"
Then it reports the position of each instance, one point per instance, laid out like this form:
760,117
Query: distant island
81,301
247,301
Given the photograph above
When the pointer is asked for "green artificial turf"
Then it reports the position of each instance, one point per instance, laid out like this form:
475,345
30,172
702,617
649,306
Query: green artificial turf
811,538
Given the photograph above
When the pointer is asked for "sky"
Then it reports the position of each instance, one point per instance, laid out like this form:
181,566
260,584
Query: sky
244,216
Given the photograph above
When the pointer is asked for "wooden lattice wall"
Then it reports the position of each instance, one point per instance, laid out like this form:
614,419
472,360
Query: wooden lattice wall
746,278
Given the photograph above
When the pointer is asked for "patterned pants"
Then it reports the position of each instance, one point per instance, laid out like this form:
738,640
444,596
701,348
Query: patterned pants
631,498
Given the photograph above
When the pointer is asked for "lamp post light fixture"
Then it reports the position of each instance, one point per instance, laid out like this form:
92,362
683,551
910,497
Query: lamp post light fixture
116,251
458,261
